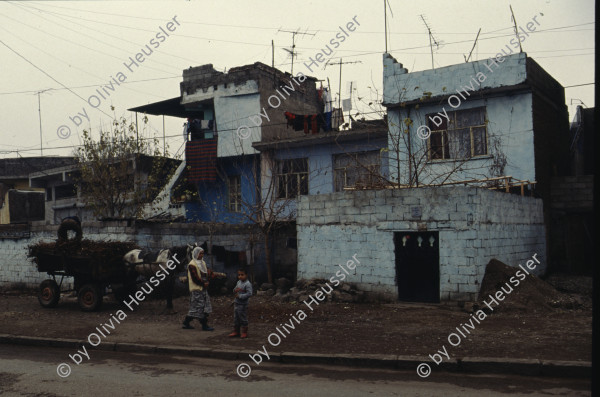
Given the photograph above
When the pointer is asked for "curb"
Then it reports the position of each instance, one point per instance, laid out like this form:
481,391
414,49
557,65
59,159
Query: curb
476,365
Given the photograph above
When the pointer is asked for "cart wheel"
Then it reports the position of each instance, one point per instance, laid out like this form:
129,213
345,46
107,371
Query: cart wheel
89,298
49,293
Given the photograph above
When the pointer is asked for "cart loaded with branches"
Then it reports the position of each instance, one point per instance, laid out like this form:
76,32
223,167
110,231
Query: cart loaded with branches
96,268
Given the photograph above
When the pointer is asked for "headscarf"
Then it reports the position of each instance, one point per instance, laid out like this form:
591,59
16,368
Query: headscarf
201,264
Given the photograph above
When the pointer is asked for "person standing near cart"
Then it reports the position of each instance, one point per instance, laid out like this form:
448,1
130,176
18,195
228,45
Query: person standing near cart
200,306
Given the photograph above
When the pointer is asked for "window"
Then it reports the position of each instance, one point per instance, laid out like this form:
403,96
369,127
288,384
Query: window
65,191
292,178
464,135
234,190
356,169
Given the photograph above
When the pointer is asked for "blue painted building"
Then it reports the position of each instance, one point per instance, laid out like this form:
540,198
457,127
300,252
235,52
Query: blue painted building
326,162
226,108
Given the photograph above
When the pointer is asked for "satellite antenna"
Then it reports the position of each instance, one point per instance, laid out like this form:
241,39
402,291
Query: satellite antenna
432,39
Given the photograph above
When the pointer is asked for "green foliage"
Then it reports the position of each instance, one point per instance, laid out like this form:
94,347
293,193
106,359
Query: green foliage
120,173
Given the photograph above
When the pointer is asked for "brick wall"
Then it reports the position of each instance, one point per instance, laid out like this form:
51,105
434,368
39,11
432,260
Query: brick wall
474,225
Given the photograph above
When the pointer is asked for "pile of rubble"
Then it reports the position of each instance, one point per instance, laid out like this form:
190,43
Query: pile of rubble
283,290
530,294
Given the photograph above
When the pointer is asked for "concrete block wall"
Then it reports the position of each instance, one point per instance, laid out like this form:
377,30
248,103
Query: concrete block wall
572,193
401,86
474,225
17,268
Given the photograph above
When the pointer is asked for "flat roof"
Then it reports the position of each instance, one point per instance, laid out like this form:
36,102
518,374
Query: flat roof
169,107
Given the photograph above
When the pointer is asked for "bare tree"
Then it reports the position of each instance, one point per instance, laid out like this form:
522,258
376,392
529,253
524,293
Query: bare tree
118,172
410,153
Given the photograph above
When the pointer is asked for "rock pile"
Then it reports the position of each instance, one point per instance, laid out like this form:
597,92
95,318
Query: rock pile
284,291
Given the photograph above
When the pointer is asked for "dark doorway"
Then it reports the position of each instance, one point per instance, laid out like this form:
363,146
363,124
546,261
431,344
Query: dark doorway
417,266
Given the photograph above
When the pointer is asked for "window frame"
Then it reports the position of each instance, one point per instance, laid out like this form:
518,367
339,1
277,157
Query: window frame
292,168
371,171
446,132
234,198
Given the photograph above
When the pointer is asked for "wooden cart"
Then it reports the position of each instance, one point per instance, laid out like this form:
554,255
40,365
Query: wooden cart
92,278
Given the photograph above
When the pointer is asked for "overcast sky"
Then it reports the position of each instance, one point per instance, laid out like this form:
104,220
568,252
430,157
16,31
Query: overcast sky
83,45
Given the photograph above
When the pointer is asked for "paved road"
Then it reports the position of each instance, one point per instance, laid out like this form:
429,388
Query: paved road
32,371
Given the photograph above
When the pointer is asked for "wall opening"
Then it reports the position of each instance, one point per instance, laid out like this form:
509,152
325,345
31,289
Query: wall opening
417,266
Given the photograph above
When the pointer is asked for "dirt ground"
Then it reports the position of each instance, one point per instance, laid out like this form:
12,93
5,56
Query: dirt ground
332,328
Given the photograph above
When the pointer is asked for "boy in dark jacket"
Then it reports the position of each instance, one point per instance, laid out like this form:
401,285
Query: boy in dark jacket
243,291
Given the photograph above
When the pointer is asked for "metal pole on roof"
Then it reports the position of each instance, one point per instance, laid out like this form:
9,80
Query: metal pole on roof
386,4
137,136
516,31
164,141
340,91
40,113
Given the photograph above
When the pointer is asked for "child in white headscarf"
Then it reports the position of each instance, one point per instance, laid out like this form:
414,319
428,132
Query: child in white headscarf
200,306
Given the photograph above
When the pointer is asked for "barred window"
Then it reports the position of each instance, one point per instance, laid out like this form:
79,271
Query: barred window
356,169
464,135
292,178
234,191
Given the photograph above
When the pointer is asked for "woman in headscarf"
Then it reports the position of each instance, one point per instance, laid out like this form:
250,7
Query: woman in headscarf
200,306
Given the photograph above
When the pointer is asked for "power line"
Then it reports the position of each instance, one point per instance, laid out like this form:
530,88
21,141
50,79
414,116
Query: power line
102,32
71,66
92,85
81,45
52,78
274,28
578,85
302,48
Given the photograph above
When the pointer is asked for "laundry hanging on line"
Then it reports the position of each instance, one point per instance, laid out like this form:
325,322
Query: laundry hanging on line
306,122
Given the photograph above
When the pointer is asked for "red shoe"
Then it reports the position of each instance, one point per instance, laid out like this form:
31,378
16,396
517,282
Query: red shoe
244,332
236,332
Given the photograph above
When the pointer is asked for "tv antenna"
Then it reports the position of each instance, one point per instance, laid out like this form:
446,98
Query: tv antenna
341,62
292,50
432,39
474,44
